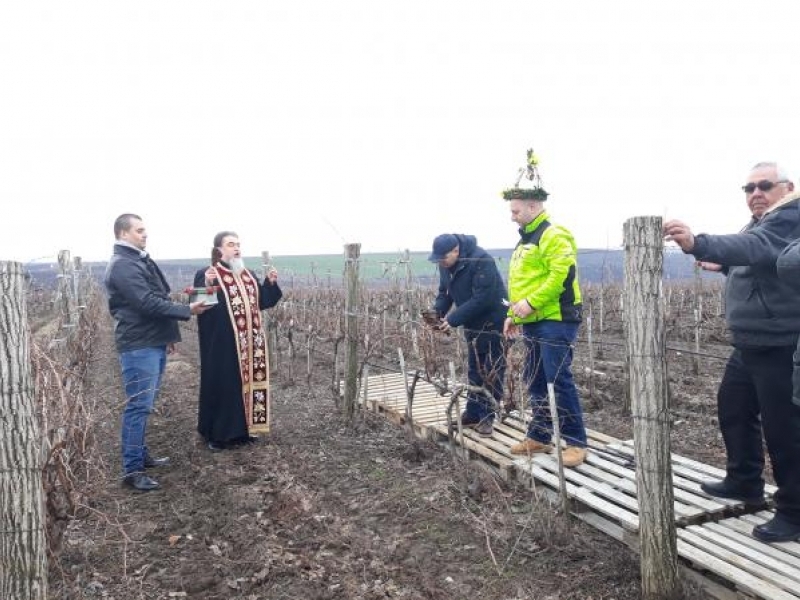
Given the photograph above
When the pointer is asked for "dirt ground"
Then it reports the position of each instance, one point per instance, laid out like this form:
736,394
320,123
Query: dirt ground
319,510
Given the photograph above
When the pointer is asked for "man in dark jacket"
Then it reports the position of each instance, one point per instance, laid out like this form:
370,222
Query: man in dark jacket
763,315
789,271
145,330
470,279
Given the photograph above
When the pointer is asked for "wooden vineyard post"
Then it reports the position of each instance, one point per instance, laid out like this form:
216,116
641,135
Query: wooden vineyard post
601,317
409,394
365,388
270,329
66,290
562,482
645,346
78,280
459,425
351,253
698,317
23,557
411,309
589,326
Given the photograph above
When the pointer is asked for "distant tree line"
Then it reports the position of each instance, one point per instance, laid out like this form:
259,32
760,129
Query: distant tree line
596,266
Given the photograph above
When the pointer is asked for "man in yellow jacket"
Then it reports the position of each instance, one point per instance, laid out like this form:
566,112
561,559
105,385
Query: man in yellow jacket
546,306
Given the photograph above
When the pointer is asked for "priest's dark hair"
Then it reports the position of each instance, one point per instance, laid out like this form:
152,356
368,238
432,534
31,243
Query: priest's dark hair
216,255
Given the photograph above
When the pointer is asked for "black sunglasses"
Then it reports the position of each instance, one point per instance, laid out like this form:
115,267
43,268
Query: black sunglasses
764,185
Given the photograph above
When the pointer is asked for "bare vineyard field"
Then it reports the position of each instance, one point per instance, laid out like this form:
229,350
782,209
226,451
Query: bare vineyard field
330,509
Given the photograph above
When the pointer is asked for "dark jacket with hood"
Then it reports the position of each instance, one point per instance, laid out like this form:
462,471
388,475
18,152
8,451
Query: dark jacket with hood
789,260
138,299
761,309
475,286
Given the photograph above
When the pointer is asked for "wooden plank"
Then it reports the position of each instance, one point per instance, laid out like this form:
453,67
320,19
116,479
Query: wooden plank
687,492
606,485
745,523
742,534
521,424
399,385
425,411
481,449
625,518
396,401
760,517
512,432
742,579
401,409
629,501
753,578
688,502
712,588
500,436
418,410
515,425
608,526
518,430
702,468
399,390
490,442
753,557
599,488
687,474
601,437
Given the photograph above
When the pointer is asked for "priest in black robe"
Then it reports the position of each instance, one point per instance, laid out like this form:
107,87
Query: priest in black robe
234,357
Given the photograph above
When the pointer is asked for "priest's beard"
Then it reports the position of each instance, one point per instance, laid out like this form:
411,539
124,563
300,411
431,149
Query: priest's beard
237,265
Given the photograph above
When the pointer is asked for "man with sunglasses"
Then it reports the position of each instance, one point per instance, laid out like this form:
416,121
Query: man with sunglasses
763,314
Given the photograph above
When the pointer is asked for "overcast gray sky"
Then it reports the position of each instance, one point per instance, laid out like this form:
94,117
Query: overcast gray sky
304,125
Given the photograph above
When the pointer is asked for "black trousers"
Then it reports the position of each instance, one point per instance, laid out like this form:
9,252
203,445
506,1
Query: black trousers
755,395
796,376
487,368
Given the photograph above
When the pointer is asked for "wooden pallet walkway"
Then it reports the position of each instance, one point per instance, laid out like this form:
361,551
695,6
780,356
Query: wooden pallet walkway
713,533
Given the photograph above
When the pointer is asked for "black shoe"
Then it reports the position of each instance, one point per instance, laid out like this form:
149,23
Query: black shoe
777,529
248,439
215,446
467,421
152,463
721,489
141,482
485,428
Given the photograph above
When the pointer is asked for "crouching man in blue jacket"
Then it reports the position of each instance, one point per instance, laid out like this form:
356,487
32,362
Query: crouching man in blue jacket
470,280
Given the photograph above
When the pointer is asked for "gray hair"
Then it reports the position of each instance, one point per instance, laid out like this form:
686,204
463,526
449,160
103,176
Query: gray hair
783,174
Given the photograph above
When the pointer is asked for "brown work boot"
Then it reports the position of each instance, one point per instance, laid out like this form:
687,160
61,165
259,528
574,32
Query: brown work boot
529,446
572,456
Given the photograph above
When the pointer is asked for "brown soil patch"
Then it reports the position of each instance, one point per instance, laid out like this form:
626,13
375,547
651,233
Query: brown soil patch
322,510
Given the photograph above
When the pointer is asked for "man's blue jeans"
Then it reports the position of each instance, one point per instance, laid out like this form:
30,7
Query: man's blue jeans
549,360
141,376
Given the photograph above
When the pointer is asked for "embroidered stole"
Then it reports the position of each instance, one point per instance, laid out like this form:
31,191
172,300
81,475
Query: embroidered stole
242,300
